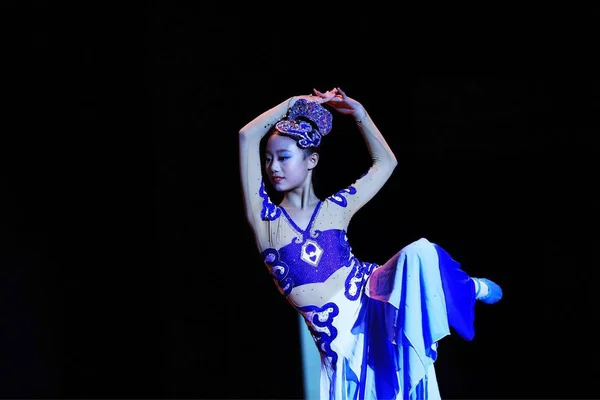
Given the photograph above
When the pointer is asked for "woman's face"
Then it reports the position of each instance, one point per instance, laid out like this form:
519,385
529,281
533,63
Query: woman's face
286,164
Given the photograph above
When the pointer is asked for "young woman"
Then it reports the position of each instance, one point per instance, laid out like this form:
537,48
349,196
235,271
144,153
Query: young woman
376,327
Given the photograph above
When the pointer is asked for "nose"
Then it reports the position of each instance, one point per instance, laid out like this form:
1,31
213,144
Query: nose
274,167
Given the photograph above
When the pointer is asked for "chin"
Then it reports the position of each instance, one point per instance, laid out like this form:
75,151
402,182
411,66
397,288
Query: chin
279,187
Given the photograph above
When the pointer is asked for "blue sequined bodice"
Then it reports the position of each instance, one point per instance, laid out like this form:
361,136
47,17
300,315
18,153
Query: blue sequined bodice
311,260
313,255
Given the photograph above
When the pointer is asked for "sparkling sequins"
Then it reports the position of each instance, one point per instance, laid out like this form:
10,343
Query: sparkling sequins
319,321
341,200
311,252
269,210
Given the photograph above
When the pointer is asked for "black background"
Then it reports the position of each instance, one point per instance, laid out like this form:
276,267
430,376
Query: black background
127,268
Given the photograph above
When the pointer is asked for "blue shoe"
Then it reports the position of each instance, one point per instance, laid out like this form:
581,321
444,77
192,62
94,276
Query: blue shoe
494,292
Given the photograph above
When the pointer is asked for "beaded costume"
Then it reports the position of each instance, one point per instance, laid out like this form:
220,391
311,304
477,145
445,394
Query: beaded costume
376,326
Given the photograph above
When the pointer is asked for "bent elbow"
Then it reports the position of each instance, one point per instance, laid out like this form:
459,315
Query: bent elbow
392,162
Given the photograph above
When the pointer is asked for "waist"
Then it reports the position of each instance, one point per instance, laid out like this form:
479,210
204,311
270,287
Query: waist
320,293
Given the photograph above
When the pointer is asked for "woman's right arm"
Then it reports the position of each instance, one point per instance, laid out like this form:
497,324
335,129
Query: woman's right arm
250,169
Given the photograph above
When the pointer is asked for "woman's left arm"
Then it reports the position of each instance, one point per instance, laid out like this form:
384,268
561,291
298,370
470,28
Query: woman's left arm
384,160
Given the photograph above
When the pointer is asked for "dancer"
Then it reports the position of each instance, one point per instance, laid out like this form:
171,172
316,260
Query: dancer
376,326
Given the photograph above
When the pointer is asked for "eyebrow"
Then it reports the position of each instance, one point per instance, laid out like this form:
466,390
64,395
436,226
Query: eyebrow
280,151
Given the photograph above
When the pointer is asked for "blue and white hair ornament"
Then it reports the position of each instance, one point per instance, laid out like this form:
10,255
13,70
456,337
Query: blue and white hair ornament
302,130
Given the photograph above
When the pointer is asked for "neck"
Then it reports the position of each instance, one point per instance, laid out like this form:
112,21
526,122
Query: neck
301,198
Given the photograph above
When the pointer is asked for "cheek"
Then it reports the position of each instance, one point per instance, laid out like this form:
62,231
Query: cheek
298,166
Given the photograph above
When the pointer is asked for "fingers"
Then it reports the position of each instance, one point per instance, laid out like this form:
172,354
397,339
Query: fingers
328,96
321,94
328,93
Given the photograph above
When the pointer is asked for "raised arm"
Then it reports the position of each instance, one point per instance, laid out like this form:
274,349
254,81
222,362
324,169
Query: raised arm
384,160
250,169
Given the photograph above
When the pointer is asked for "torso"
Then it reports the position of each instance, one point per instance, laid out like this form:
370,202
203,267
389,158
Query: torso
308,254
319,293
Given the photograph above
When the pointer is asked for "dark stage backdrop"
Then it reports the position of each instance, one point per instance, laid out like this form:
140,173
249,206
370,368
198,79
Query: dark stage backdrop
128,270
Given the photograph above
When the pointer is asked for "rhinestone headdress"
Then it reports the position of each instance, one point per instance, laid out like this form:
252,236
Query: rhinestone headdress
303,131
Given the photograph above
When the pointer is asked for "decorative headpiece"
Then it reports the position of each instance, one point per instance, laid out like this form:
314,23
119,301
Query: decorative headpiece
302,130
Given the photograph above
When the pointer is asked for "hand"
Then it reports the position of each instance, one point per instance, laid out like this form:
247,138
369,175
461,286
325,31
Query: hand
319,97
340,101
